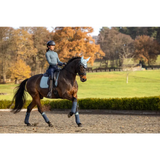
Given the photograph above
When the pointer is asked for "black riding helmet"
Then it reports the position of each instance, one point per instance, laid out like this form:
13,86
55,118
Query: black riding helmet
51,43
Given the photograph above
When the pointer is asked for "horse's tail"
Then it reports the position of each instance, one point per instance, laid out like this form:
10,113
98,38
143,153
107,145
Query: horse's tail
19,97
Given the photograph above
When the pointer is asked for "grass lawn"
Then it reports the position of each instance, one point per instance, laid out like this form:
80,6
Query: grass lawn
109,85
113,84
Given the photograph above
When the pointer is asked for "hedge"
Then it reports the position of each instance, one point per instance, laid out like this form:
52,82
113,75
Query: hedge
5,104
144,103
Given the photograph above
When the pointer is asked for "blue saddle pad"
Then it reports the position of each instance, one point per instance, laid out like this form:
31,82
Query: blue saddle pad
43,82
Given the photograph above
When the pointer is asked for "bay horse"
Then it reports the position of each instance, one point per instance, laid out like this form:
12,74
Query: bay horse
67,88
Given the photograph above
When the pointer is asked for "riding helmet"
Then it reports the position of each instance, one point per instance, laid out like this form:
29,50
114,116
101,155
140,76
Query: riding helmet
51,43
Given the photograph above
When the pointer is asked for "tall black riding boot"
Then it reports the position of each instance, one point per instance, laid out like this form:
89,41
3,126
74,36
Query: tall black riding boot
49,95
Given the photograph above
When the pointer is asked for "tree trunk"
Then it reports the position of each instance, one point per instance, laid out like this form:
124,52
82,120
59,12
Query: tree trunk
148,63
16,81
4,78
3,72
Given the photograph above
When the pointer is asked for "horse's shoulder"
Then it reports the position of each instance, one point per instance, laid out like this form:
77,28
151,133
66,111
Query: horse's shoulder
75,85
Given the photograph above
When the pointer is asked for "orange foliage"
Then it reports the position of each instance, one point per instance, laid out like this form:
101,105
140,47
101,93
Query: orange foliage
75,41
23,44
146,48
20,70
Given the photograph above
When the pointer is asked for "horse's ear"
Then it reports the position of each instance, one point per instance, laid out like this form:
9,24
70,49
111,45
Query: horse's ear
88,59
82,58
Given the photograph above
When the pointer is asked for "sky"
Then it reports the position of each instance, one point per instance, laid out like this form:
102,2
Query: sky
96,27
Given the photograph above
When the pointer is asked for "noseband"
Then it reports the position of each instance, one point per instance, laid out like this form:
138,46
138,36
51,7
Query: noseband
81,74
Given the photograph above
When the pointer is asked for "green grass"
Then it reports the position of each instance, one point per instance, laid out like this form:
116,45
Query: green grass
7,88
113,84
109,85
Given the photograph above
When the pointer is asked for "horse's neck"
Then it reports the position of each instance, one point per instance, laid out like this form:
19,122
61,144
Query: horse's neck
71,69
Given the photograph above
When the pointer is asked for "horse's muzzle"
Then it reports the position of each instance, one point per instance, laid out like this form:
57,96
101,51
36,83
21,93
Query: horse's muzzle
83,78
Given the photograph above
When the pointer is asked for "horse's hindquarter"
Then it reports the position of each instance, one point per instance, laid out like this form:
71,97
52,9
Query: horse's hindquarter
33,85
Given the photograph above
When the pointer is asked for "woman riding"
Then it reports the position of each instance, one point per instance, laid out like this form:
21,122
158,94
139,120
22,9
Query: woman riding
53,60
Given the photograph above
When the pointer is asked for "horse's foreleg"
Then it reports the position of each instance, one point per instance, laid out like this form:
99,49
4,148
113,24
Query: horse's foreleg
74,110
77,118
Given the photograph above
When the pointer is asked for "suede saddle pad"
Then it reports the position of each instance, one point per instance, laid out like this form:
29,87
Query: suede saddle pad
45,80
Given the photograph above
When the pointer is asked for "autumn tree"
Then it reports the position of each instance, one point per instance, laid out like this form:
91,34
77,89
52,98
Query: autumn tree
40,37
22,44
146,49
20,70
6,54
75,41
115,45
15,44
125,49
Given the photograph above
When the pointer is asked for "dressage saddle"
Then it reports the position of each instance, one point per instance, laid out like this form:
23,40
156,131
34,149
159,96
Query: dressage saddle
55,81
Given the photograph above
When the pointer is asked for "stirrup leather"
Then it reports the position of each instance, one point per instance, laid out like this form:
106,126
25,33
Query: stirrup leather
49,95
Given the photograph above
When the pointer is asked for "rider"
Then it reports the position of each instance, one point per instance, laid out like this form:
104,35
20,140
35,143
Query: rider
53,60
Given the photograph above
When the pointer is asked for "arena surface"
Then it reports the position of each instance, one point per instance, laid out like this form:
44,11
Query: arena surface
93,122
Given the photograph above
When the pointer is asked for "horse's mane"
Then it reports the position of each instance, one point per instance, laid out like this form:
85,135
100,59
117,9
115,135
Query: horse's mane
72,59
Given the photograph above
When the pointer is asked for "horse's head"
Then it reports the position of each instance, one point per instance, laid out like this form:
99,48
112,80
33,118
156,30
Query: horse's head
82,69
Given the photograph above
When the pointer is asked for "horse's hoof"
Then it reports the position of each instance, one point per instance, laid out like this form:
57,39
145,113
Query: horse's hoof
35,124
70,114
50,124
28,124
79,124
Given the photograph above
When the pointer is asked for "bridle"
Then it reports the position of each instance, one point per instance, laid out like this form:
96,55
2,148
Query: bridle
79,70
81,73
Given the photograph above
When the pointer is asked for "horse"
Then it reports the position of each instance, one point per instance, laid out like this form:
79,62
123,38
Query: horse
67,88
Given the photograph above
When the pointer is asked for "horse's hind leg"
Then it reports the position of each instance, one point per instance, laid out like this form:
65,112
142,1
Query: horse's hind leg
29,109
42,113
